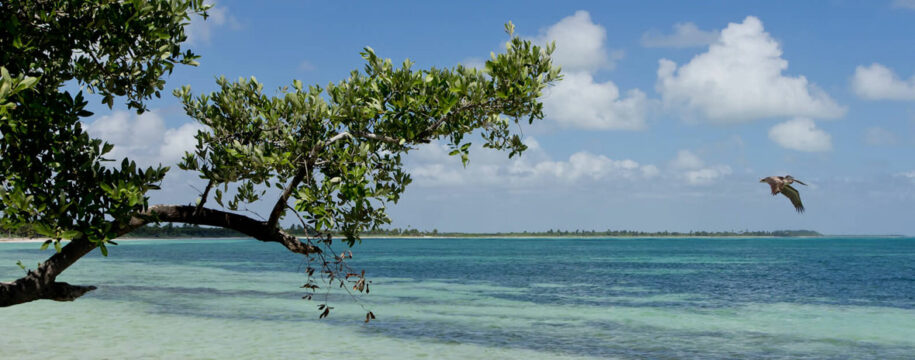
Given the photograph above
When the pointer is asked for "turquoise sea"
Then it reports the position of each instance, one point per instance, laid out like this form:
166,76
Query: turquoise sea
812,298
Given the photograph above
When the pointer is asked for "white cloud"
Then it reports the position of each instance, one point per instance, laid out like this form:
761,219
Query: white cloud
878,136
200,31
706,176
650,171
686,160
143,138
877,82
579,43
583,165
740,79
578,101
684,35
431,166
175,142
800,134
690,167
905,4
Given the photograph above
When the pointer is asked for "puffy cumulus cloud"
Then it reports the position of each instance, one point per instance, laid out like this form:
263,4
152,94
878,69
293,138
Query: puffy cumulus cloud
740,79
200,31
877,82
877,136
800,134
144,138
685,35
580,102
579,43
431,166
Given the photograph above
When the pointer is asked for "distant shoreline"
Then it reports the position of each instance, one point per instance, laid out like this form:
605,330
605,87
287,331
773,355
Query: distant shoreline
41,240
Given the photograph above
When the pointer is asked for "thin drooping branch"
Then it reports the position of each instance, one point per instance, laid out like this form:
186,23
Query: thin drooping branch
41,282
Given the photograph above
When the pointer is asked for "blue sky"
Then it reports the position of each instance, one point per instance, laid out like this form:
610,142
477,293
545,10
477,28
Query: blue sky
669,114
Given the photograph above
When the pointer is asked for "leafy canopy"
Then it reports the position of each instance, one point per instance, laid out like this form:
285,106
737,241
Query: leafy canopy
339,150
51,172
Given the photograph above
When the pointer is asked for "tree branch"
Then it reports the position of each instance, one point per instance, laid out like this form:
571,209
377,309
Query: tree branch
40,283
280,205
303,171
203,198
243,224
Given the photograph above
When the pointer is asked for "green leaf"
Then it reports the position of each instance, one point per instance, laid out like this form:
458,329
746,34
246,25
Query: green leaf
27,83
44,245
44,229
70,234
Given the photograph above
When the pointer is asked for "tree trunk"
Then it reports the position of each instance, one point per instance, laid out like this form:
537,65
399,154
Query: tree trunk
40,283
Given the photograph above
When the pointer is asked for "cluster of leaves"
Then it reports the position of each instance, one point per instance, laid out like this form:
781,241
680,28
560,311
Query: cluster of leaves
337,151
51,172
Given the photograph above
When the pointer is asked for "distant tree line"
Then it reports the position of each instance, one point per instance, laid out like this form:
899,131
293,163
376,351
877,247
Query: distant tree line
148,231
594,233
190,230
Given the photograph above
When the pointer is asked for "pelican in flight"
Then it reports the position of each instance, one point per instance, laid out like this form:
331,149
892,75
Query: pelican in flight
782,184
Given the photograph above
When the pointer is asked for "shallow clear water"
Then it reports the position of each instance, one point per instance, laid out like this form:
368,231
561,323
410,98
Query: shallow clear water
822,298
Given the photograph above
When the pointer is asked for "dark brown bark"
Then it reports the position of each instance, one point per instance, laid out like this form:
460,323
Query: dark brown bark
243,224
281,204
41,283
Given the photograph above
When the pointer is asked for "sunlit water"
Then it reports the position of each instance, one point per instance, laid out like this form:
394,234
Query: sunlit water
482,298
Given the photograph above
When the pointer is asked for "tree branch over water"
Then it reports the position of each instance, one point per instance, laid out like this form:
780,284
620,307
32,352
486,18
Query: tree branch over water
335,153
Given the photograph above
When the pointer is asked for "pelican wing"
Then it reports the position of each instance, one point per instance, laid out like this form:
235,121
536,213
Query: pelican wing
795,197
